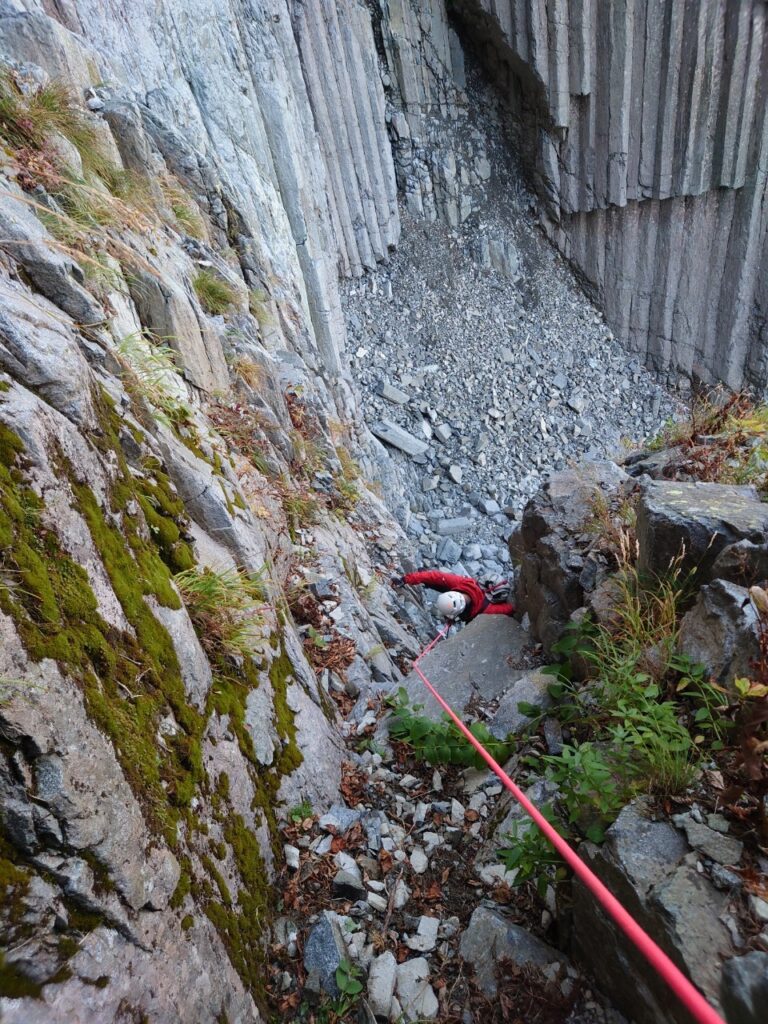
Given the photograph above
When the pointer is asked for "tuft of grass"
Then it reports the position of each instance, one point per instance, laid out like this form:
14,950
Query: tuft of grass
614,523
301,508
150,374
214,293
243,428
225,606
184,208
258,305
250,372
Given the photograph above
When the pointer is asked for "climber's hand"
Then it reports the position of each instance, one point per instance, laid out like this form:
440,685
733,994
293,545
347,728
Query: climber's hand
397,582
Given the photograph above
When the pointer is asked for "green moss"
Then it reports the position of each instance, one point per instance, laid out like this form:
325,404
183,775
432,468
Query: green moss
4,386
280,672
218,878
128,682
241,923
184,885
187,922
16,985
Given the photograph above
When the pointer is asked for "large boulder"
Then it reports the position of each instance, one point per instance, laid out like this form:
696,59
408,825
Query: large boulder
647,865
722,631
559,563
490,938
695,522
480,661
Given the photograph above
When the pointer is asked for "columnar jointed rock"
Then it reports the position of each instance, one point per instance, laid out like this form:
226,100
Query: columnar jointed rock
647,160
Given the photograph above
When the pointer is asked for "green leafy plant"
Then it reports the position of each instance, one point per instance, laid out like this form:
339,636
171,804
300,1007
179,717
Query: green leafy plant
531,856
317,638
225,606
215,295
350,987
440,742
301,812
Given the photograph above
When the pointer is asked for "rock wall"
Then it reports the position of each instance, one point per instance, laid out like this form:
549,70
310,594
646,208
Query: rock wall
148,428
645,126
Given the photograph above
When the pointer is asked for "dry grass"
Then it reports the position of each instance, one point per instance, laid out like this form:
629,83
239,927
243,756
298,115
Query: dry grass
215,295
250,372
725,440
225,606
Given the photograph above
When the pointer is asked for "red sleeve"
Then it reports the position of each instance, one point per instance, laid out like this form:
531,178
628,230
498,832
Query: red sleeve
437,580
503,608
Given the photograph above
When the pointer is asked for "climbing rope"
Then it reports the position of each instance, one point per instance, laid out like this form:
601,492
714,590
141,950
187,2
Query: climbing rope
685,991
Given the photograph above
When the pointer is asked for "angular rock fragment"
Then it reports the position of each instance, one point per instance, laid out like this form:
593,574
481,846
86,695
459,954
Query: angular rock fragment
397,437
415,994
722,631
391,394
490,937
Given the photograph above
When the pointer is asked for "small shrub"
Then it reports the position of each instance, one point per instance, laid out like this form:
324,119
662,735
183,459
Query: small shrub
723,441
531,856
440,742
225,606
215,295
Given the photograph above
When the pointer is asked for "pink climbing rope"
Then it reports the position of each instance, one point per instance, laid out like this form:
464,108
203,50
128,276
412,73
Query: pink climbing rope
688,995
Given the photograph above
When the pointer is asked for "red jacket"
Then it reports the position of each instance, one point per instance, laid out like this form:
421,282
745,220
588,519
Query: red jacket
477,600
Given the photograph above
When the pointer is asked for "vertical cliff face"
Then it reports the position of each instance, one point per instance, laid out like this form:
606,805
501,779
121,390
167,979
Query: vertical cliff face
177,478
645,127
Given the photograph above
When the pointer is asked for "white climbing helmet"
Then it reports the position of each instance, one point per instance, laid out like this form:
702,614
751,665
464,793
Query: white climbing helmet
451,604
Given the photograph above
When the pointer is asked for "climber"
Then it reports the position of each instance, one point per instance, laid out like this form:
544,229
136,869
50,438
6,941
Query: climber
461,597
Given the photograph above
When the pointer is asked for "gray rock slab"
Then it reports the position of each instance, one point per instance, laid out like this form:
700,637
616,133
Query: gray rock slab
381,984
723,849
490,937
477,661
744,988
397,437
391,393
530,688
324,950
446,527
698,519
648,866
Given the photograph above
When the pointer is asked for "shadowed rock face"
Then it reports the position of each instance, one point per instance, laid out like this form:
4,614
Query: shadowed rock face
645,127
